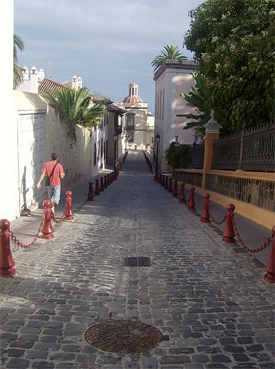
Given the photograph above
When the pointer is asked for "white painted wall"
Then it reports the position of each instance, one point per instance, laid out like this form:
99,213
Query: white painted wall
8,147
172,79
32,135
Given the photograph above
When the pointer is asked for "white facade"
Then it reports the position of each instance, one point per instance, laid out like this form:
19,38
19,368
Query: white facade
172,79
138,124
8,147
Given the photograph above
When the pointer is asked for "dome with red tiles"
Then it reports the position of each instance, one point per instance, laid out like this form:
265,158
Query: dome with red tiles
133,97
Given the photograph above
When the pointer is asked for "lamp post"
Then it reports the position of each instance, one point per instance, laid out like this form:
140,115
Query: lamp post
115,149
177,144
157,139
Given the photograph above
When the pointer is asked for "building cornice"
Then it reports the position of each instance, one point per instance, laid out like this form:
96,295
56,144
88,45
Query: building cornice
175,64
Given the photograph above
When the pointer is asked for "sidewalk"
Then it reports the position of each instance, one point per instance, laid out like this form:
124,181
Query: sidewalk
207,298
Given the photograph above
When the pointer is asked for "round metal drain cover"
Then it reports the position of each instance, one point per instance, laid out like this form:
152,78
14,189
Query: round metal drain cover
123,336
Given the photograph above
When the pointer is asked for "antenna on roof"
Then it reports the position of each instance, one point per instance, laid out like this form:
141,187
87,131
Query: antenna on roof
50,68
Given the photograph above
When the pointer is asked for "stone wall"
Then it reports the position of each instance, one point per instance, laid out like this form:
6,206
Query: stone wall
257,189
257,192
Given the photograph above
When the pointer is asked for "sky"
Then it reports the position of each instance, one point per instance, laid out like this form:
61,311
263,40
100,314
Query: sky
108,43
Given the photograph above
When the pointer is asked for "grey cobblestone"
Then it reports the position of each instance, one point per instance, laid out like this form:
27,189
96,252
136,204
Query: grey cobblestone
206,296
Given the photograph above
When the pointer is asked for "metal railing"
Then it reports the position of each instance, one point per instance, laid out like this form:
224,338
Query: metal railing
253,150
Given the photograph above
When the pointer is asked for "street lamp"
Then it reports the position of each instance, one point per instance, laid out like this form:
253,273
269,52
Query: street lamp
177,144
115,149
157,139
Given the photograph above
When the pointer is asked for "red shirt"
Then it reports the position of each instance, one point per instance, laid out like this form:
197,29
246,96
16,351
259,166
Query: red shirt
55,178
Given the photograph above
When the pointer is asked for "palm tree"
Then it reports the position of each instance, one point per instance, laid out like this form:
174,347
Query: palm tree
168,52
18,44
198,97
74,107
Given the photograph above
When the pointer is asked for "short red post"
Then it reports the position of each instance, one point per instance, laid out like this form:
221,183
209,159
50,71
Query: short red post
105,181
205,216
101,184
182,194
91,192
175,190
166,183
97,187
6,260
191,201
170,185
47,228
270,266
163,180
68,212
229,234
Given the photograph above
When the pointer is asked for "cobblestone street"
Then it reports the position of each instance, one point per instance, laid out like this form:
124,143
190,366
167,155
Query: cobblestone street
207,298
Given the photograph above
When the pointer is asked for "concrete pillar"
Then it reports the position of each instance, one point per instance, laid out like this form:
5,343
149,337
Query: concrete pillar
212,132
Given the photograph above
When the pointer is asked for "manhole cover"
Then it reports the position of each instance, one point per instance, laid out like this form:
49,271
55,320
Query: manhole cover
139,261
123,336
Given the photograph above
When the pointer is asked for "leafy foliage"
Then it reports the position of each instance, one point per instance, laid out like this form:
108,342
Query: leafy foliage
168,52
74,107
199,98
233,41
18,44
176,155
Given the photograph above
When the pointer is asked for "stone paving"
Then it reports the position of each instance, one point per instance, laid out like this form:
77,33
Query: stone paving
208,298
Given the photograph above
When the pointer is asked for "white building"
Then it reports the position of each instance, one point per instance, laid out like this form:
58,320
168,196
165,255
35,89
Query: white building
171,79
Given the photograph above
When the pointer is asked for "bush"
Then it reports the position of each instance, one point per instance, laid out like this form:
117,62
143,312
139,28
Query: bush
177,155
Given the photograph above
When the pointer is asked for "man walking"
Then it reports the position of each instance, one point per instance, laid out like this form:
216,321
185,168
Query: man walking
55,171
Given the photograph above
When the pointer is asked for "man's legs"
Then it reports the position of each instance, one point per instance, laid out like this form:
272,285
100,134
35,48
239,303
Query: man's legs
55,197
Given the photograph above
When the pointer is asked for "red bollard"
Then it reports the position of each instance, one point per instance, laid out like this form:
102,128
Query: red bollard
163,180
175,190
105,182
47,228
191,201
170,185
159,178
91,192
6,260
97,187
101,184
68,212
270,266
182,194
205,216
166,183
229,234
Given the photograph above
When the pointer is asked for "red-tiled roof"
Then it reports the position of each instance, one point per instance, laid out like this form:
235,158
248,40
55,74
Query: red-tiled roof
49,85
132,100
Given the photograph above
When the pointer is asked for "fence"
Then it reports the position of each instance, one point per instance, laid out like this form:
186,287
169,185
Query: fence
252,150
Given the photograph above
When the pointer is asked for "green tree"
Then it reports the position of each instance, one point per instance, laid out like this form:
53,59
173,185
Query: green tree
168,52
74,107
198,97
18,44
233,41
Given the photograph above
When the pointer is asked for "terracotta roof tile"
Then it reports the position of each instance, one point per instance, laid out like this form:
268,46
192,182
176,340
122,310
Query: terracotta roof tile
49,85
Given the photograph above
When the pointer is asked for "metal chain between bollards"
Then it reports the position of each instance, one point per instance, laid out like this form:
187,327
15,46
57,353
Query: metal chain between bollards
212,218
251,251
21,244
63,216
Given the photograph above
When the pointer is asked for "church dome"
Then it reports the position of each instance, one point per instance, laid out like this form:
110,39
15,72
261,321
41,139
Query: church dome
133,98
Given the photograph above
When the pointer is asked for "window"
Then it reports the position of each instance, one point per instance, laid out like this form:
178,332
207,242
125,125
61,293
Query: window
131,120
